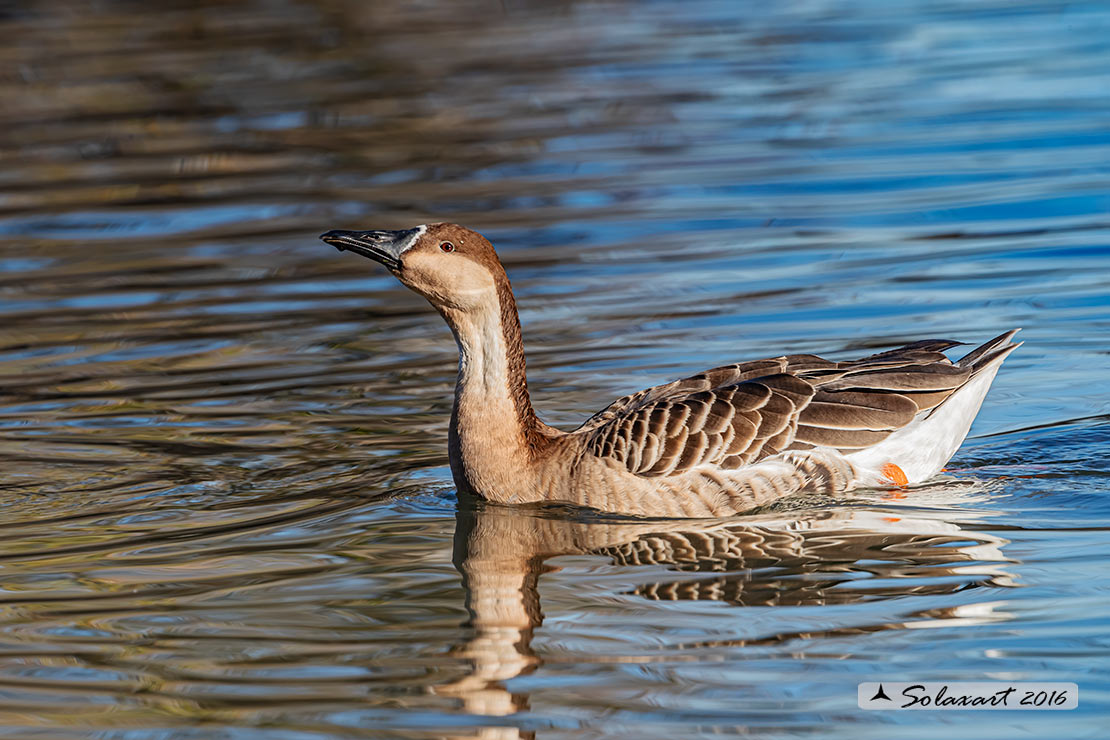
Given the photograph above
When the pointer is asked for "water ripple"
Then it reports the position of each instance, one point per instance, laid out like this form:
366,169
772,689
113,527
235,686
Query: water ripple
227,508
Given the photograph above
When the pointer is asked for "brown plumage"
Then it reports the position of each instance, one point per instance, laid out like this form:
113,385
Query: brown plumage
718,442
739,414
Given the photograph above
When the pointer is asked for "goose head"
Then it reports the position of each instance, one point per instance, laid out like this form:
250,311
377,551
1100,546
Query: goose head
453,267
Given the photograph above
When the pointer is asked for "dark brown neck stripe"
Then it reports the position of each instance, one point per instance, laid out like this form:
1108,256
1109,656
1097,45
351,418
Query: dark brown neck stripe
514,357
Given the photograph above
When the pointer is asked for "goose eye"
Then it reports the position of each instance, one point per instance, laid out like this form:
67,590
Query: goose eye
447,247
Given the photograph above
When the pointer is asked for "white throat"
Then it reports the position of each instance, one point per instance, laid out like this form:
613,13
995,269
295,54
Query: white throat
483,356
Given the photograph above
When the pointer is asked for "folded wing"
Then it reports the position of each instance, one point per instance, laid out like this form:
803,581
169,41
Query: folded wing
736,415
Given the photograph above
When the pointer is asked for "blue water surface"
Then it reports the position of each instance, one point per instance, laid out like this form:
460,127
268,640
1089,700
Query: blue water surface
227,509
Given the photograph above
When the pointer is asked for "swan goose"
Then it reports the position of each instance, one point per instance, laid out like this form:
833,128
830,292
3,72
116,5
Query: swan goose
721,442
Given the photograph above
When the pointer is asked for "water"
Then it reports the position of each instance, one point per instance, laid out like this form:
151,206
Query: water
227,512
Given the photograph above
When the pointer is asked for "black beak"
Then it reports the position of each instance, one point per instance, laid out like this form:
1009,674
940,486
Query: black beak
381,246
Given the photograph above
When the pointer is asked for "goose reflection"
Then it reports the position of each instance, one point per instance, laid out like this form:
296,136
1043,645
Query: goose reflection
816,557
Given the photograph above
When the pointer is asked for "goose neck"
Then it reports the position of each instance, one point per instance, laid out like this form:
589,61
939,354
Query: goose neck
494,430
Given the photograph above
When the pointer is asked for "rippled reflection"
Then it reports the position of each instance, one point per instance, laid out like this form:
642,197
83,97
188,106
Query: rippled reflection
803,559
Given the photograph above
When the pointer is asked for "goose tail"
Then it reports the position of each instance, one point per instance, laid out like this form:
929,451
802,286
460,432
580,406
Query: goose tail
925,446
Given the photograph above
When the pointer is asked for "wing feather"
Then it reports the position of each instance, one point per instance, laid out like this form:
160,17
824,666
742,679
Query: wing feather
933,377
745,427
672,448
856,410
735,415
841,439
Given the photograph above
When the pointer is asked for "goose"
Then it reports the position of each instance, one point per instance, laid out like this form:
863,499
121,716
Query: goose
722,442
